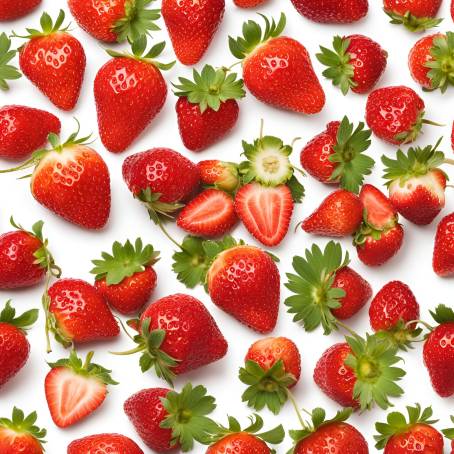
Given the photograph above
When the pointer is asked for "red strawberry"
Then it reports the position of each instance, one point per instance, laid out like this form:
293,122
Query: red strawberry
415,15
380,236
452,9
397,436
272,366
277,70
126,278
332,11
192,26
340,214
395,114
96,444
356,63
337,155
14,346
7,70
207,108
210,214
248,3
54,61
129,92
219,174
115,20
20,435
443,256
20,8
24,130
325,289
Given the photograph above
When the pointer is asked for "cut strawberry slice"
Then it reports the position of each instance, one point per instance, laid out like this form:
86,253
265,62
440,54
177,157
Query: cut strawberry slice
265,211
379,211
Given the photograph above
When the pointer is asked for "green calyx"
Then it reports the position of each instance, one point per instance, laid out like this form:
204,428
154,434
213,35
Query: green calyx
352,165
314,295
125,261
449,433
24,425
48,27
157,210
253,36
413,23
137,22
443,314
415,130
7,71
23,322
402,335
441,65
266,387
397,424
373,362
187,416
210,88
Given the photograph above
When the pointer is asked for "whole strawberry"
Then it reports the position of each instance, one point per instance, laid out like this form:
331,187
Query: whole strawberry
207,108
219,174
415,15
356,63
24,130
399,436
129,92
115,21
325,289
192,26
277,70
126,278
248,3
7,70
14,346
54,61
20,8
443,255
332,11
96,443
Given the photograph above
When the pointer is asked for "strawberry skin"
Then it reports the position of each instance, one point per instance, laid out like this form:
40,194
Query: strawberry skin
192,26
248,3
419,55
20,8
24,130
418,8
221,175
241,442
443,256
332,11
420,437
104,443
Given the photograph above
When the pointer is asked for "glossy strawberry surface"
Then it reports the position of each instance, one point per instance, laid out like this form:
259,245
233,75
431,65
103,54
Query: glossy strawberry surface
332,11
103,444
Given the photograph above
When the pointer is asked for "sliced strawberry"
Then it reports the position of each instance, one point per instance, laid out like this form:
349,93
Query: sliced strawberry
379,211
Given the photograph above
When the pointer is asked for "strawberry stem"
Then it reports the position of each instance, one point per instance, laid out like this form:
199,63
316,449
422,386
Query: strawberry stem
167,234
425,324
292,399
346,327
139,348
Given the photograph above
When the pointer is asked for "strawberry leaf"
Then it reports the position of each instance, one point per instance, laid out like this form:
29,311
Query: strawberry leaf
48,27
449,433
7,71
443,314
24,321
413,23
21,424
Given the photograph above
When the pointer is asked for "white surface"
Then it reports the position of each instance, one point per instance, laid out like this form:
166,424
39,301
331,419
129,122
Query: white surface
73,247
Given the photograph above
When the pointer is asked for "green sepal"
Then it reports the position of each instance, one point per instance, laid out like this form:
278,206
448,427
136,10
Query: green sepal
400,335
449,433
157,210
23,321
442,314
441,65
7,71
397,423
210,88
415,130
413,23
314,296
187,416
48,27
24,425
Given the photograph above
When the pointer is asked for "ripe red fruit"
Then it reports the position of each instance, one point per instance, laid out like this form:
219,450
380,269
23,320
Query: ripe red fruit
277,70
356,63
332,11
443,256
219,174
116,443
54,61
14,346
192,26
126,278
248,3
20,8
415,15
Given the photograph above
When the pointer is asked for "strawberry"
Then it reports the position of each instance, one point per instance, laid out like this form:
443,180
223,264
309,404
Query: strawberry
19,435
54,61
24,130
77,313
192,26
20,8
438,351
380,236
14,346
7,71
430,59
415,15
416,184
219,174
248,3
337,155
207,108
211,214
277,70
185,339
156,416
325,289
356,63
396,114
72,180
449,433
443,256
126,278
340,214
129,92
332,11
333,434
115,20
242,280
271,367
399,436
95,444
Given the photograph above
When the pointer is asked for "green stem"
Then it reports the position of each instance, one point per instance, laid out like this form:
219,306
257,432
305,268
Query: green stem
138,349
88,360
124,327
346,328
166,233
430,122
45,302
425,324
449,161
291,398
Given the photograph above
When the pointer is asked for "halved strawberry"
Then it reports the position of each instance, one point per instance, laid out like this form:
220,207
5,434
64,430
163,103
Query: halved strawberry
379,211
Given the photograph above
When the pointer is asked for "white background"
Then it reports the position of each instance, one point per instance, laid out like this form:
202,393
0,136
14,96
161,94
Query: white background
74,248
